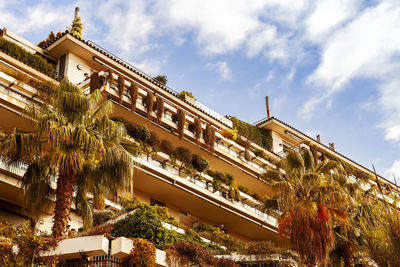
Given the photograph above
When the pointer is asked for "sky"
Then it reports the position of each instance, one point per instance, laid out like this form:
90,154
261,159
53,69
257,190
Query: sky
330,67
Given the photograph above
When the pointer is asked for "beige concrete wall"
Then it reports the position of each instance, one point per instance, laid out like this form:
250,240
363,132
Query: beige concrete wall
276,142
71,68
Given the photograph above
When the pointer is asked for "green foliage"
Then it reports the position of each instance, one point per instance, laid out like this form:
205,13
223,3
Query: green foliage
99,230
183,154
143,253
30,243
200,164
244,189
86,150
77,27
102,216
230,133
257,135
191,252
49,39
167,147
183,93
181,122
35,61
145,223
161,79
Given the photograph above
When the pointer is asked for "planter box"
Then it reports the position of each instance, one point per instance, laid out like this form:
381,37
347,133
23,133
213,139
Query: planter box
72,248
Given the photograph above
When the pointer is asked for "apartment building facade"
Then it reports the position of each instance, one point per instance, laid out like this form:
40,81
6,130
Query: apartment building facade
190,198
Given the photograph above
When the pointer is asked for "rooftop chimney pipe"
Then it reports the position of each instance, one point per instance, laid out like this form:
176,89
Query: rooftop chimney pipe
267,105
76,12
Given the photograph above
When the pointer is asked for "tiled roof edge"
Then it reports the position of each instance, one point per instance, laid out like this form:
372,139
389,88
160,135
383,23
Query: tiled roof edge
134,70
333,151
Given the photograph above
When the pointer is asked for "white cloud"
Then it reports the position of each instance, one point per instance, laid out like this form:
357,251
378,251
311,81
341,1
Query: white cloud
365,48
33,18
327,15
222,69
150,66
394,170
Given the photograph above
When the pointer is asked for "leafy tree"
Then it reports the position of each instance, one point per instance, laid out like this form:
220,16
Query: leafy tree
311,203
74,140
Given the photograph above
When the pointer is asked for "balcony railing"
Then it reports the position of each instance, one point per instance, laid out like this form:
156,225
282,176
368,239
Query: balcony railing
208,186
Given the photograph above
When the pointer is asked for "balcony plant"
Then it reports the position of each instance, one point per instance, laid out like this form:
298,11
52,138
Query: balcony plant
199,163
146,223
149,102
160,108
121,88
84,148
197,129
181,122
35,61
161,79
134,90
255,134
209,138
45,89
143,253
187,96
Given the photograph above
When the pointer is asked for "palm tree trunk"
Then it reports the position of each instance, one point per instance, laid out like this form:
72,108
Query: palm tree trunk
99,201
64,191
348,254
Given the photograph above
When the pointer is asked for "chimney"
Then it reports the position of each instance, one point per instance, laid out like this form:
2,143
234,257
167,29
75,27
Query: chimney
76,12
332,146
318,138
267,106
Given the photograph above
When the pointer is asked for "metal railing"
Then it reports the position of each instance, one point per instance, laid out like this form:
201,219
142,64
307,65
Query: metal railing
206,185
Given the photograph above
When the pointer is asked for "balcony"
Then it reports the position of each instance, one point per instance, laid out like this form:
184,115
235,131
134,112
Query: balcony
203,183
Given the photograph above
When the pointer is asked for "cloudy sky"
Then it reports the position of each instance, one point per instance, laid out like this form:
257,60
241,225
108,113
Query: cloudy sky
329,66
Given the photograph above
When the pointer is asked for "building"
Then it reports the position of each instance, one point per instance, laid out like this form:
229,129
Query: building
189,198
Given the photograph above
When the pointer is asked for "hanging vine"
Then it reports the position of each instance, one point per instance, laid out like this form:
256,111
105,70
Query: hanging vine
197,129
160,108
110,77
149,100
181,122
245,142
121,85
134,95
209,138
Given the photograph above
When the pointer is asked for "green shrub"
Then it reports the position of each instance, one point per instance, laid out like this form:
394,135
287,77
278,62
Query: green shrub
154,141
191,252
35,61
199,163
145,223
257,135
244,189
100,217
167,147
184,93
183,154
143,253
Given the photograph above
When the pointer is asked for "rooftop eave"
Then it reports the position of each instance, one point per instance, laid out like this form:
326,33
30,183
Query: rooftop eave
274,122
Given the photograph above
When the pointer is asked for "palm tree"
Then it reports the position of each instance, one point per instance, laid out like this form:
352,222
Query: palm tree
311,203
74,140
